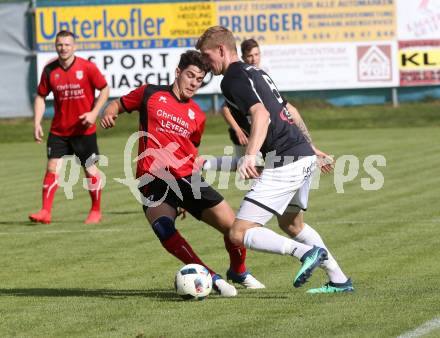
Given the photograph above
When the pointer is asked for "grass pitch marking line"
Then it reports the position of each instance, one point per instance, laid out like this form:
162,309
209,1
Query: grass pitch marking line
60,231
422,329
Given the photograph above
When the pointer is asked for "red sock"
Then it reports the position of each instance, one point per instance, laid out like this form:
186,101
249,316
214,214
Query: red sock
179,248
50,186
237,256
95,186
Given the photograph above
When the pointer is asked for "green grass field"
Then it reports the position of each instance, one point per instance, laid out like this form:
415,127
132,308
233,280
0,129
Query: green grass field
114,279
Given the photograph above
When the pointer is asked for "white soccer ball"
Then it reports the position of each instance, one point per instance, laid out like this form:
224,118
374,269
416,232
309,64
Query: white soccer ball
193,281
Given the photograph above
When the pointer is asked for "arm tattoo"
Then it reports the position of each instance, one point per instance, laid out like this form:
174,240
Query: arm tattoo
302,127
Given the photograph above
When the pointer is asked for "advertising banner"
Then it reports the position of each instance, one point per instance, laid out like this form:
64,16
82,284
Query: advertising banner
419,42
330,66
419,62
309,21
418,19
319,44
131,26
126,70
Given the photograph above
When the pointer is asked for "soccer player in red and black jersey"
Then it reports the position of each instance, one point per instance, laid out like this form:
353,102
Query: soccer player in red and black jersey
170,130
73,82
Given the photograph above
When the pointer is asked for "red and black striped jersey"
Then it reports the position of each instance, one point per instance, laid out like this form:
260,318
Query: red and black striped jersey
171,130
74,94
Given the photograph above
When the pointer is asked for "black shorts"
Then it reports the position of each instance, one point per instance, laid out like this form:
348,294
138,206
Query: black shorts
196,194
85,147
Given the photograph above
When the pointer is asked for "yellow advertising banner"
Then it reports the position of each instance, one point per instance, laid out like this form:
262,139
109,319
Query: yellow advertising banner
419,58
126,26
419,62
304,21
171,25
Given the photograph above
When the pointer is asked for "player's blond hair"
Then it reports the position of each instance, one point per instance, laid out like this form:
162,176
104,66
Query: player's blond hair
215,36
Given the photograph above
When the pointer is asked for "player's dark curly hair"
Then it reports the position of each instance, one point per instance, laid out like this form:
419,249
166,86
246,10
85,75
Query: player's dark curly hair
193,58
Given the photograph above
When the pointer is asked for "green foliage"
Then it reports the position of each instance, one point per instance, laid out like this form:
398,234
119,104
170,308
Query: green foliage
114,279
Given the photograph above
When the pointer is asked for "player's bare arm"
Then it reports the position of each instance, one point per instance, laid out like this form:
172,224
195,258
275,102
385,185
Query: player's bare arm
89,118
325,161
299,122
39,108
111,113
242,137
260,123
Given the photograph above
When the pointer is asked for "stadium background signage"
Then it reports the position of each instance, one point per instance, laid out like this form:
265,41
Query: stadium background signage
134,26
419,42
179,24
309,21
419,62
320,44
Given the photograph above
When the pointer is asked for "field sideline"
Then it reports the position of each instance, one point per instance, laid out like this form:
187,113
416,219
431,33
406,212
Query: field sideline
67,279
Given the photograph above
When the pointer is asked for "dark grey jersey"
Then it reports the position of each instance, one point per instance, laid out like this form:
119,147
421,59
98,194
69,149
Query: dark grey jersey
243,86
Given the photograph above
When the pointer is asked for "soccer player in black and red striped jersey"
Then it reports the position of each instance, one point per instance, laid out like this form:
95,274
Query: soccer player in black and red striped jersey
171,126
73,82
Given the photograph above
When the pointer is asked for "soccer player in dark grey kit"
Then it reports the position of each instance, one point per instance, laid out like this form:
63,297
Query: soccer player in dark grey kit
282,188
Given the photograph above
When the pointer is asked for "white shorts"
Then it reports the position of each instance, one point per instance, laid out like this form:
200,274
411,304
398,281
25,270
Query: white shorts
278,190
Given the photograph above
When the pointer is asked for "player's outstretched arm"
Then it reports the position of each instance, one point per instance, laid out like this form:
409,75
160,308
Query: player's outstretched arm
111,113
325,161
39,108
242,137
89,118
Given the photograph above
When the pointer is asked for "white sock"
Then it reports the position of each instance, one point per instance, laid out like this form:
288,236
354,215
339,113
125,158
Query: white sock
309,236
266,240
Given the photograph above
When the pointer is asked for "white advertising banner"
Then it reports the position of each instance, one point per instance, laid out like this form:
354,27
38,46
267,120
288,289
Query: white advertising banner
125,70
419,42
332,65
418,19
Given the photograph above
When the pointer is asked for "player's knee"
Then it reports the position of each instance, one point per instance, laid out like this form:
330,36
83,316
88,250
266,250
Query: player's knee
164,228
291,223
298,222
91,170
236,236
52,165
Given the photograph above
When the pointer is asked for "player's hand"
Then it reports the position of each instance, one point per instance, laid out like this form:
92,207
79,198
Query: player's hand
242,138
108,119
247,167
181,212
325,161
88,119
38,133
